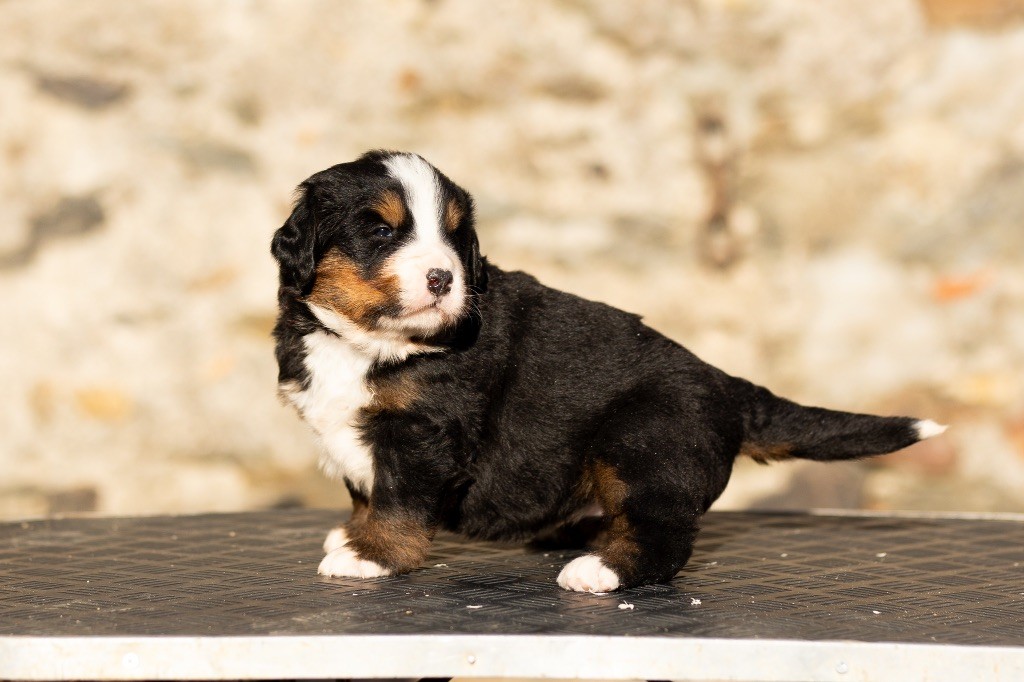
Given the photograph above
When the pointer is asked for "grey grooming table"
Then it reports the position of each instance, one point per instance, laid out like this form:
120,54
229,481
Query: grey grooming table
765,597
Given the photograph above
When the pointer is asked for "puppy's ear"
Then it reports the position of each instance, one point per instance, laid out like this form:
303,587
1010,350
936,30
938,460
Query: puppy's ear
474,264
293,246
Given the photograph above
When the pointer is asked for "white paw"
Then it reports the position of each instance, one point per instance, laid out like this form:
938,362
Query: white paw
588,574
344,562
335,539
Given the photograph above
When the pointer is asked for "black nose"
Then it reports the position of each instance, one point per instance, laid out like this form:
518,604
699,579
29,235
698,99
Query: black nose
439,282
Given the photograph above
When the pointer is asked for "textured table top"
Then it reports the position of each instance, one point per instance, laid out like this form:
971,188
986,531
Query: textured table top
753,577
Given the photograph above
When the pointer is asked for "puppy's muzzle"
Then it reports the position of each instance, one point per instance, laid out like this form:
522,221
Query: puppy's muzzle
439,282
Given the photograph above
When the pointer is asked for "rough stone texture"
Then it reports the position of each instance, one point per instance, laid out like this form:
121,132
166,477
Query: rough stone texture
823,197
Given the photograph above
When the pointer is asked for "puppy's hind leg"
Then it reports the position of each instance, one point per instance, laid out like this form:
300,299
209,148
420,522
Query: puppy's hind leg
640,548
654,479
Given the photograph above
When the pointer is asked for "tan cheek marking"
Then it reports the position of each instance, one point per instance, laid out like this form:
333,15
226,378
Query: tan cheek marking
452,215
340,287
390,207
400,544
763,454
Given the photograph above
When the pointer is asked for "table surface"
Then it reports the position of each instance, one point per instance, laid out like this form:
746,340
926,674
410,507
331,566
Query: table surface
781,580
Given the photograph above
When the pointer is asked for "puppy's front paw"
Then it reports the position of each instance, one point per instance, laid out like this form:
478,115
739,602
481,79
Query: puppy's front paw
345,562
588,574
338,537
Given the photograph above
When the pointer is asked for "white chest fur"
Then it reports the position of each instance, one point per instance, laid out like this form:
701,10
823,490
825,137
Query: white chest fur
337,391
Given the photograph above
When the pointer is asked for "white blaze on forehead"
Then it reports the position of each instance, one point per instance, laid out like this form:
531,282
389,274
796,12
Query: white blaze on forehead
428,248
422,192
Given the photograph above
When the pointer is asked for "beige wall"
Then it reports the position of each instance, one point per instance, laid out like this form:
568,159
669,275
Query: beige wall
826,197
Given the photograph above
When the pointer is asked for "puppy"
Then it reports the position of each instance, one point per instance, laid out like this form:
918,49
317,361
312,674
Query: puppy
448,393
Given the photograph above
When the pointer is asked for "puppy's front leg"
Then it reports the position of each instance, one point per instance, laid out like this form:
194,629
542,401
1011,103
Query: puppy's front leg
340,535
401,515
389,541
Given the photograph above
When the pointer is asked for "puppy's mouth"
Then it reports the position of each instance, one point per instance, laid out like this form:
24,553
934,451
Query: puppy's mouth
432,304
435,305
435,309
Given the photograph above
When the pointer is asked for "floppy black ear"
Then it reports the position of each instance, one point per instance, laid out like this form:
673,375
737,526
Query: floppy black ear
476,266
293,244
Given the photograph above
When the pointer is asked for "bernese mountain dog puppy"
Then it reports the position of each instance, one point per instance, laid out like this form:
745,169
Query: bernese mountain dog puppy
450,394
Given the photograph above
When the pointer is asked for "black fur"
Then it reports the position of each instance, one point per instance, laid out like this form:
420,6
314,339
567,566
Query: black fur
543,402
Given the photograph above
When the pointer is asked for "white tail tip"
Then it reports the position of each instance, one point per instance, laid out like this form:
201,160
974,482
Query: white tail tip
926,428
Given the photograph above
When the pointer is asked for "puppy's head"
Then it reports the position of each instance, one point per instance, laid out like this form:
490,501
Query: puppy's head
384,244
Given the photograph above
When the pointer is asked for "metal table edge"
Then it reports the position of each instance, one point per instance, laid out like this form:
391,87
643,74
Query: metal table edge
489,655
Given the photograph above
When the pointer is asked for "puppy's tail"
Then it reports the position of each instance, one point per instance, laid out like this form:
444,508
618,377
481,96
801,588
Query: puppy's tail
776,428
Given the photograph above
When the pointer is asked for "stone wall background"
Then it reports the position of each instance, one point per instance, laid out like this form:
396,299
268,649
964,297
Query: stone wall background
824,197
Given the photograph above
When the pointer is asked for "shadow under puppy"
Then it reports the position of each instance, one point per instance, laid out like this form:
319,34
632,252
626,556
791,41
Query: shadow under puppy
448,393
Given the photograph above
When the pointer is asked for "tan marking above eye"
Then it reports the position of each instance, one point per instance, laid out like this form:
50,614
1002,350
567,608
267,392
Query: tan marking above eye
390,207
453,214
340,287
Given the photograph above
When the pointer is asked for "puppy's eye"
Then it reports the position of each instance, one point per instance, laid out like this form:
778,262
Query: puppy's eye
383,232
